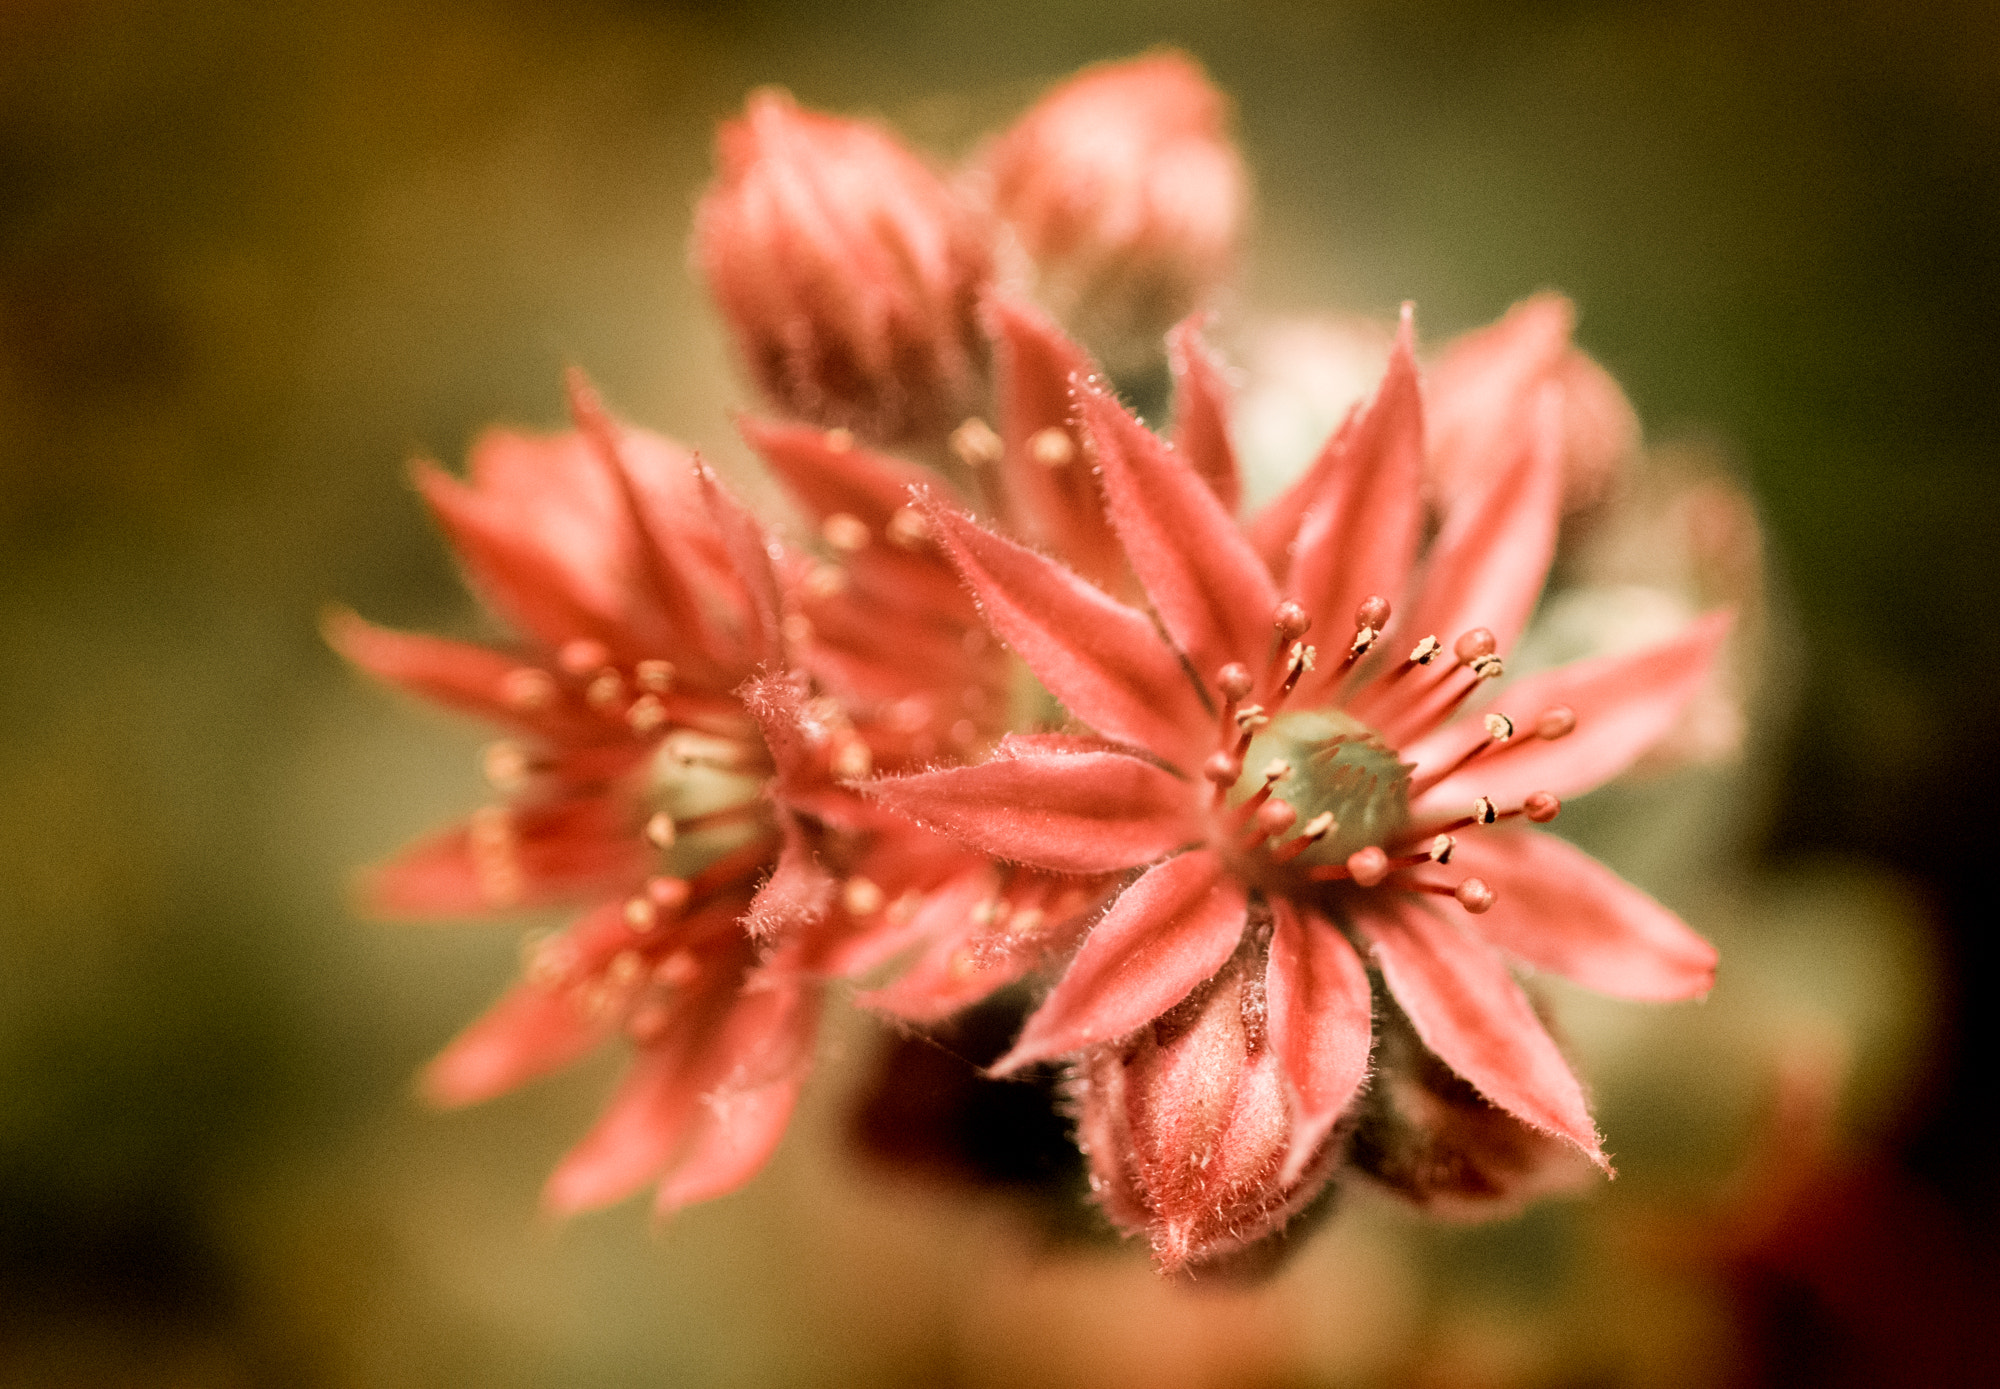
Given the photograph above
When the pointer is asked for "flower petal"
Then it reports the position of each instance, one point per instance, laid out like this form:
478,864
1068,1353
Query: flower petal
1102,659
1359,538
1053,496
1560,910
1624,704
1321,1024
749,551
1469,1011
1212,592
639,1132
530,1032
471,679
1201,413
1092,812
1166,933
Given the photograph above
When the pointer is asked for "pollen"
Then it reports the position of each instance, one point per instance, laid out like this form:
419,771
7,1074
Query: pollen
1499,727
1051,447
1483,812
1441,847
1426,651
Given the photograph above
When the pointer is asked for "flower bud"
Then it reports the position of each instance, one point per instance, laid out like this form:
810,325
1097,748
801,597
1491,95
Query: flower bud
1480,394
1187,1127
1128,195
849,273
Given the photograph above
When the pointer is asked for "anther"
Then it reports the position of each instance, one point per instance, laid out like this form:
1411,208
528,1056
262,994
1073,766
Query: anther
640,913
825,580
1222,769
528,689
669,895
654,677
1487,667
660,830
1541,806
1276,770
1234,680
1274,817
851,761
845,531
1051,447
1557,721
1441,847
506,767
606,692
861,897
1499,727
907,529
1298,662
1251,717
1474,895
1474,644
1026,922
976,445
1483,812
1319,826
1426,651
677,969
582,656
1373,612
1291,620
646,714
797,628
1368,867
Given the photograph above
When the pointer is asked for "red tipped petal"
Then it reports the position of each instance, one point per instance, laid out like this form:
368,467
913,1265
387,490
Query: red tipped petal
1560,910
1624,704
1166,933
470,679
1053,495
1212,592
1360,536
1201,413
1103,660
1321,1024
1068,812
530,1032
1469,1011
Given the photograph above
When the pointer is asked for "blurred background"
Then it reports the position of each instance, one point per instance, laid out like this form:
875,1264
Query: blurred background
253,257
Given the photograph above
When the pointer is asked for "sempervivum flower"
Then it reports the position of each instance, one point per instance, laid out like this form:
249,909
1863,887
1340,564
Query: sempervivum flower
849,273
674,771
1297,821
1127,193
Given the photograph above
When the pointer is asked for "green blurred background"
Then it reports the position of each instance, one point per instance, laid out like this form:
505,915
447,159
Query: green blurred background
255,256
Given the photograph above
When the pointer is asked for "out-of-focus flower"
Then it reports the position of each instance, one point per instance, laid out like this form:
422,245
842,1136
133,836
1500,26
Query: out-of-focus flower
1127,194
1292,816
1481,384
681,729
849,273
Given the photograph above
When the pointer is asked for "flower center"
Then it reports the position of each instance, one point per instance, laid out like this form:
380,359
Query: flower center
1335,766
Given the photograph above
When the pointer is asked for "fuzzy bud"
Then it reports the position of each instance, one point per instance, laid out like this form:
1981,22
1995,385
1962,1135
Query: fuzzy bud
849,273
1127,193
1187,1127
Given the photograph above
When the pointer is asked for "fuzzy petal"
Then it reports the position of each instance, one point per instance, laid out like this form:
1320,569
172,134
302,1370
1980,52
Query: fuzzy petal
1103,660
1469,1011
470,679
1201,413
1166,933
1561,910
1068,812
1060,505
1212,592
830,474
1320,1018
529,1033
1360,536
1624,704
637,1135
749,552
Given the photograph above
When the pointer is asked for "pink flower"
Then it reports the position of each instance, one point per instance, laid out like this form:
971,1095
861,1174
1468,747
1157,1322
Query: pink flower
674,769
1127,193
848,272
1484,381
1297,821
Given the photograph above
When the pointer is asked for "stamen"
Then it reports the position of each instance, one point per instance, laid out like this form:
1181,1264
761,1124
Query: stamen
528,689
606,692
1474,895
907,529
1557,721
646,714
1426,651
1373,612
1310,834
1369,620
861,897
1541,806
1276,770
1051,447
1222,769
845,532
976,445
1441,847
660,830
506,766
582,656
1272,819
1368,867
654,677
1234,681
1291,620
1473,645
669,895
1487,667
640,913
1483,812
677,969
1499,727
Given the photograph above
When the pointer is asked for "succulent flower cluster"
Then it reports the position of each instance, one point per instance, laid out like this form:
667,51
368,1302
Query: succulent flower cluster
1250,804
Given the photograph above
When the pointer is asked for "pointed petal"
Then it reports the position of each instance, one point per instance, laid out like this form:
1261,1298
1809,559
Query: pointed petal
1201,413
829,474
1560,910
514,570
1321,1025
636,1136
1624,704
1106,662
458,675
1469,1011
1166,933
1072,813
1483,384
1212,592
509,856
529,1033
1274,530
795,895
749,551
1053,496
1360,536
